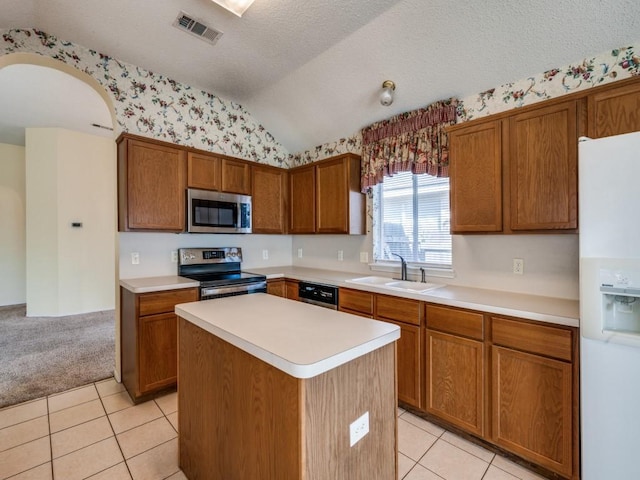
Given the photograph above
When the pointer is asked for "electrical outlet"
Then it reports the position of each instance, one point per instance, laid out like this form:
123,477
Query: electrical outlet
340,255
265,254
174,256
135,258
364,257
518,266
299,253
358,429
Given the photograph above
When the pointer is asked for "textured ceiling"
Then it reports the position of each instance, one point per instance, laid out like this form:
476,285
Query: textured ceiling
310,70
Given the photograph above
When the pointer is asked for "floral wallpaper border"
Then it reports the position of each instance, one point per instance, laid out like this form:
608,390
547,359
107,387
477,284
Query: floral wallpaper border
155,106
607,67
604,68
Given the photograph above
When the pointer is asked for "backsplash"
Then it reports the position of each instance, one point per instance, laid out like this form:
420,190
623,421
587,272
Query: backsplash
155,106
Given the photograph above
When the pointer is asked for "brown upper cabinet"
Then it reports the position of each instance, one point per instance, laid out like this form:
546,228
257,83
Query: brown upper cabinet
615,110
151,185
476,178
326,197
516,173
269,202
216,172
302,190
543,167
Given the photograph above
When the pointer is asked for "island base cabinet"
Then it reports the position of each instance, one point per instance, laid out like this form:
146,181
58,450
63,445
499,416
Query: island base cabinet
241,418
532,407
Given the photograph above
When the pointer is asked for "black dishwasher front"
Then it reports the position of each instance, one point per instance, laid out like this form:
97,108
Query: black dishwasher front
318,294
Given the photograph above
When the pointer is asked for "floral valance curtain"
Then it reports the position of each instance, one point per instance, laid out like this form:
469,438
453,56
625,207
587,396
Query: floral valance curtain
413,141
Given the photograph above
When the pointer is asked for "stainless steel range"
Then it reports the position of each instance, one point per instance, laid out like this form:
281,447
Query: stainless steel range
218,271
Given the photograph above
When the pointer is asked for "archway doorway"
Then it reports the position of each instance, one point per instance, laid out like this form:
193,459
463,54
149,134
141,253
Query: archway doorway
61,223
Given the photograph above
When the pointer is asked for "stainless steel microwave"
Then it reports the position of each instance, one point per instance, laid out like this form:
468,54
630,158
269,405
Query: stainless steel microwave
216,212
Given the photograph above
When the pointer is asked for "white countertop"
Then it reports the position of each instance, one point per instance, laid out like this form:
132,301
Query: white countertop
559,311
300,339
157,284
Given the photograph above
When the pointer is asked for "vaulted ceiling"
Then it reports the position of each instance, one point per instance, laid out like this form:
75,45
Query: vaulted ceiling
311,70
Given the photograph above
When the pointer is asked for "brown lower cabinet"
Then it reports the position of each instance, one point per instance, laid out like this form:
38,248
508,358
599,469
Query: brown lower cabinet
405,313
534,390
276,287
281,287
455,367
507,381
149,340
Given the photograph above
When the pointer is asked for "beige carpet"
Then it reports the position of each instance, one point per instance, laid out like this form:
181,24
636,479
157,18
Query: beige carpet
44,355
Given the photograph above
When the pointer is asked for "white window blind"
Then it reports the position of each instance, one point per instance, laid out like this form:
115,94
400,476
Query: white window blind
413,219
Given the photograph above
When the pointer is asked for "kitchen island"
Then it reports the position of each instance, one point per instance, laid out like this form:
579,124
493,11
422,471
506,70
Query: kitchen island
269,388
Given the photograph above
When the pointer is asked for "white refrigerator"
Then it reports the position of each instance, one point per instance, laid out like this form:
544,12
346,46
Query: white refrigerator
609,213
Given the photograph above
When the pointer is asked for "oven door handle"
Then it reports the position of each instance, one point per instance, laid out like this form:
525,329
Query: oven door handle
247,287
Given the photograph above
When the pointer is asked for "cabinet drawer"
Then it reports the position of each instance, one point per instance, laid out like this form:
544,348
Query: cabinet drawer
399,309
163,302
540,339
356,301
457,322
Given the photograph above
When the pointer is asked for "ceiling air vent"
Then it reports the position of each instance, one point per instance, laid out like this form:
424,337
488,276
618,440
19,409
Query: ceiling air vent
194,27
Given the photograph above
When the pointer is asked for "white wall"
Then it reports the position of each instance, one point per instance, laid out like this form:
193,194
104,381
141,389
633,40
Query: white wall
12,225
482,261
155,250
70,177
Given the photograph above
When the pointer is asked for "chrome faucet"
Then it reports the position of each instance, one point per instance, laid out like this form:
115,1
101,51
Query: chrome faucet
423,275
403,267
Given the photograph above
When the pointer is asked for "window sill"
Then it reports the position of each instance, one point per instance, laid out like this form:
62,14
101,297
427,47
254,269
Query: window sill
413,269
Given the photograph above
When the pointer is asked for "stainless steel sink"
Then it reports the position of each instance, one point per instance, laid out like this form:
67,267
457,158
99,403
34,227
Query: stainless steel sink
401,285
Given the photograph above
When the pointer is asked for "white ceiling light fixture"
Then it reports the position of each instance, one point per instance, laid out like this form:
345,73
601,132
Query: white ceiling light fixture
235,6
386,96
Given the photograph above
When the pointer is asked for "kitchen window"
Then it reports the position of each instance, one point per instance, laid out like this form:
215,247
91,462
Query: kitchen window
412,220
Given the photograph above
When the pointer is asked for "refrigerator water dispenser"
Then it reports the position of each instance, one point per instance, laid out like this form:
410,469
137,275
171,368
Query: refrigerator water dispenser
610,300
620,291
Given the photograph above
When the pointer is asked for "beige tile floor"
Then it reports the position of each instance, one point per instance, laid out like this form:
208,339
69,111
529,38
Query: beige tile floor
96,432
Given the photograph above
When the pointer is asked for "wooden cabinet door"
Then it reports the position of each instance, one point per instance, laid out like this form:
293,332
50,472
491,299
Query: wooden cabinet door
269,186
332,197
614,111
475,174
152,182
235,176
213,172
203,171
276,287
291,289
531,407
409,363
302,206
157,351
455,372
543,154
407,314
